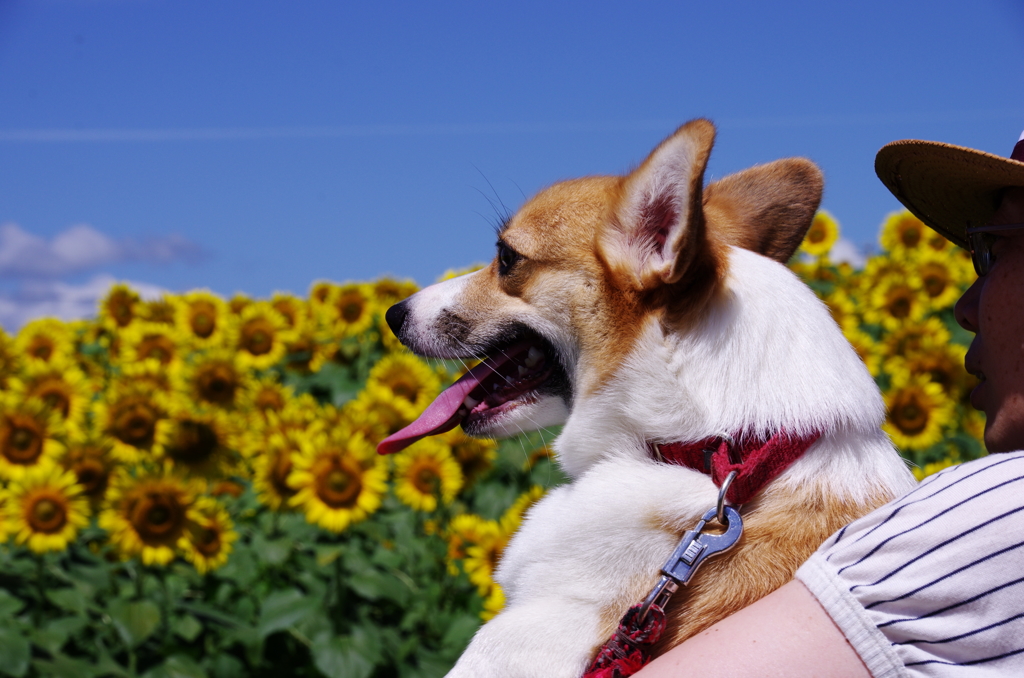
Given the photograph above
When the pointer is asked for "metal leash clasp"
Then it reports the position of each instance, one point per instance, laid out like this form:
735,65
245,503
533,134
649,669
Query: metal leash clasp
694,548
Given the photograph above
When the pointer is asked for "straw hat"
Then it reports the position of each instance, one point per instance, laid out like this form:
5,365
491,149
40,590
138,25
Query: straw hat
948,186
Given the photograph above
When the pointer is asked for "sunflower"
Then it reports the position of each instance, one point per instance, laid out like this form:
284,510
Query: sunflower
274,464
215,378
353,308
482,557
895,303
903,234
163,311
494,602
148,515
61,386
260,335
90,458
973,423
475,456
200,443
266,395
29,435
46,508
10,359
821,236
148,374
338,482
377,409
464,530
202,318
842,307
209,536
867,349
305,353
408,378
388,291
915,337
119,307
320,292
135,419
146,340
513,517
934,467
941,363
425,472
291,308
918,411
943,278
44,340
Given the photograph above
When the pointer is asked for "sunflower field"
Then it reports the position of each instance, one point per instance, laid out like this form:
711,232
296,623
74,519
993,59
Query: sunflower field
189,486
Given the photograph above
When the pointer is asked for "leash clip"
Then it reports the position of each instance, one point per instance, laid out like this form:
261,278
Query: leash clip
694,548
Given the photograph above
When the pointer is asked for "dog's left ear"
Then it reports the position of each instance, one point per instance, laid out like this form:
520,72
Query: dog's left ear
658,214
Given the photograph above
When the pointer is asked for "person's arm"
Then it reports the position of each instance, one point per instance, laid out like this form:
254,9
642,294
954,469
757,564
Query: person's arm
785,634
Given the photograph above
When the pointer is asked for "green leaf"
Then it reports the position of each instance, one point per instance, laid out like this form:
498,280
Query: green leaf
176,666
273,552
327,554
10,605
68,598
52,636
187,627
63,666
337,658
460,631
15,649
283,609
134,620
226,666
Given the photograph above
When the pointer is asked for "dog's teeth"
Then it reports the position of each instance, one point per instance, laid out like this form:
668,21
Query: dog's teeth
533,357
523,370
470,403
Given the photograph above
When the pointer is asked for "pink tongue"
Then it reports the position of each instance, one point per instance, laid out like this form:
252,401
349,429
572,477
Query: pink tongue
442,414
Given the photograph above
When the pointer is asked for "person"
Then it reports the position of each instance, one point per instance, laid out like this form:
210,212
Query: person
931,584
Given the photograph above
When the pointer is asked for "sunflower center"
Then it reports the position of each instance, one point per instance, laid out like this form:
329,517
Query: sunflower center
42,348
92,476
910,416
351,310
404,389
121,310
135,423
24,443
55,394
158,517
816,234
206,541
935,283
425,480
217,384
279,474
258,336
157,346
203,321
340,486
269,399
47,515
900,304
910,236
196,442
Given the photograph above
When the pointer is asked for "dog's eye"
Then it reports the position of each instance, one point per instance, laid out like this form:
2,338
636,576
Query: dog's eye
507,258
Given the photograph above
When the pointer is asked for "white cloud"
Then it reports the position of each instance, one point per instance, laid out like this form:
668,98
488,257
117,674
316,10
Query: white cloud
846,251
81,248
52,298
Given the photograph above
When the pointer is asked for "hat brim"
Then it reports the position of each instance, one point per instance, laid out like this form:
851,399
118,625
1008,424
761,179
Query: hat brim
946,186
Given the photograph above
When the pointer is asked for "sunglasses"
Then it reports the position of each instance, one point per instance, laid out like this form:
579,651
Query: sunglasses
980,239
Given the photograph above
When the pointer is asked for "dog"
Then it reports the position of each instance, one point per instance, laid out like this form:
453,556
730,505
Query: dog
642,311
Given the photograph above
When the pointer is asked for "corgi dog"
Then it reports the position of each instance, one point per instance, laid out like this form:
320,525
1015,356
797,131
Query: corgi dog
639,311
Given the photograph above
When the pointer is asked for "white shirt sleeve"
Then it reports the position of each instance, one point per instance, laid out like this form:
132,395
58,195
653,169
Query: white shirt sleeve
932,584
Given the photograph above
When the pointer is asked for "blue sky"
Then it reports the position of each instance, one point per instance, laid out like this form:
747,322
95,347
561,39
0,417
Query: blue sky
258,146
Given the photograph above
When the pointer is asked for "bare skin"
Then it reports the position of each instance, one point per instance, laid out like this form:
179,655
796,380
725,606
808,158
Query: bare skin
788,633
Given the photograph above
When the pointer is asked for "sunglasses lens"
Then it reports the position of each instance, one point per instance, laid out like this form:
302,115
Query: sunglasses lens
981,252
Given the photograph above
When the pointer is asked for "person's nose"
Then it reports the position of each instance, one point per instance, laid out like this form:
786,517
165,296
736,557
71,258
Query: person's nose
966,309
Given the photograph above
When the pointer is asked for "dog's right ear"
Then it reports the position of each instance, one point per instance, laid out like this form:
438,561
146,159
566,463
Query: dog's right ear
658,217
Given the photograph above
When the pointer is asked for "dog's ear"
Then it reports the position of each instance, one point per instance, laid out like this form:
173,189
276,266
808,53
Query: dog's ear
766,209
658,213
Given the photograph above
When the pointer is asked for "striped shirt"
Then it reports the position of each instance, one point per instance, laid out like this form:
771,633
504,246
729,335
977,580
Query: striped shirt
932,584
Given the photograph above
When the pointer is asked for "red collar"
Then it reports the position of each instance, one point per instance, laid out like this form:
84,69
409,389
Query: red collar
757,462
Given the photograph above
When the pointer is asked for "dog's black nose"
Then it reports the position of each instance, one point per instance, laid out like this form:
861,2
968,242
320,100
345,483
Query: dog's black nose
396,317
